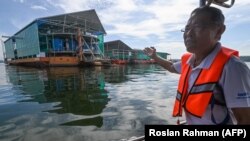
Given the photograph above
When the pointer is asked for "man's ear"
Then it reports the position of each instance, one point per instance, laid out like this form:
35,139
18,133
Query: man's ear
220,31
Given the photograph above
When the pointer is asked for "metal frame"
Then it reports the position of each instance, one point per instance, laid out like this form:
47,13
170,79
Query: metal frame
217,2
65,26
202,3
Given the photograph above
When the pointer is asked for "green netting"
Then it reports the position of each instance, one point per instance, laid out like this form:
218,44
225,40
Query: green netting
43,43
141,56
121,56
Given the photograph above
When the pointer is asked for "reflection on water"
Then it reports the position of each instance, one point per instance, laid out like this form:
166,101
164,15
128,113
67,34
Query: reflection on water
97,121
79,91
97,103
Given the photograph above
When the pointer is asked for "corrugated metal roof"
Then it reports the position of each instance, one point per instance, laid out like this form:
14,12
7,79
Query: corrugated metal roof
117,44
87,20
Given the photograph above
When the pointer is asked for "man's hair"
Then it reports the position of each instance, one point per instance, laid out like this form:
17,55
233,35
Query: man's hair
216,14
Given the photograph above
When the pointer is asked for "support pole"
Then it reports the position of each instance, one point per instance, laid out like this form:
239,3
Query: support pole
202,3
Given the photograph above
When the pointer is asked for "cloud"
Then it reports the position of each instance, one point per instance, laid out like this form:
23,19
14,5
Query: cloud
21,1
137,18
38,7
70,6
143,22
19,24
242,2
242,47
156,18
244,50
154,22
175,48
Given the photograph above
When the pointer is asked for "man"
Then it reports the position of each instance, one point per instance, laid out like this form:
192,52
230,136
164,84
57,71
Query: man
214,86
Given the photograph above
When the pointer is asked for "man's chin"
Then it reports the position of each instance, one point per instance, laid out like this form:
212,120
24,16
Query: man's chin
190,49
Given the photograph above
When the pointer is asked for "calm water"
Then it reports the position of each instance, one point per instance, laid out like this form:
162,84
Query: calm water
88,104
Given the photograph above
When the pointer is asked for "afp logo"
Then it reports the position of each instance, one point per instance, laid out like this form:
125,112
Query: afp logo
234,133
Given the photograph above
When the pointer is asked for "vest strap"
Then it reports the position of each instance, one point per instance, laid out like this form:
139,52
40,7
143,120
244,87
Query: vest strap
226,119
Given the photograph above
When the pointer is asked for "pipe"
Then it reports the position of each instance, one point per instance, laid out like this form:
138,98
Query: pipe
202,3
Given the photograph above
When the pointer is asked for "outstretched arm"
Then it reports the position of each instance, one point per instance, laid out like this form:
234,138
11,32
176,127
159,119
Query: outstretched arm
168,65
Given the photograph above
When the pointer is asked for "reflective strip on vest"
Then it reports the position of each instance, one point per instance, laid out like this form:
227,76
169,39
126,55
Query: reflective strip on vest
178,96
209,87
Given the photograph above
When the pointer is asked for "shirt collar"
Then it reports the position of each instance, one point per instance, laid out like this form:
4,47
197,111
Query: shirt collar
207,61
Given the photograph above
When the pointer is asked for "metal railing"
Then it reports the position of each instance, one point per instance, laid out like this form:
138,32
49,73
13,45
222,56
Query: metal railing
222,3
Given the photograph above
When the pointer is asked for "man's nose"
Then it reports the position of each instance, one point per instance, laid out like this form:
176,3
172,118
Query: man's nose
189,31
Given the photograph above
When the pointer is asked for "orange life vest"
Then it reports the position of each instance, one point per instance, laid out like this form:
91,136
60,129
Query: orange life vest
197,99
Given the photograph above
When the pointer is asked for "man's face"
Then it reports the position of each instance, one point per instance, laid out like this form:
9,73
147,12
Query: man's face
200,34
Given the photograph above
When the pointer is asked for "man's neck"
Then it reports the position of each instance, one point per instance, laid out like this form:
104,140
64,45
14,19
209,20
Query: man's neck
198,57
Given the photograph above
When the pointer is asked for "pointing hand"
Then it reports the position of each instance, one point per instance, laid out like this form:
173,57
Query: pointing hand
150,51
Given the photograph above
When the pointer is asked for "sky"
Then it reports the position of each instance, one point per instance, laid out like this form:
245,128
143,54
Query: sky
138,23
